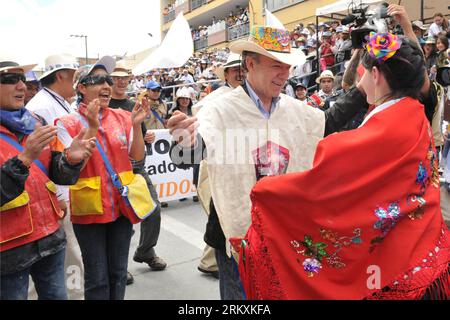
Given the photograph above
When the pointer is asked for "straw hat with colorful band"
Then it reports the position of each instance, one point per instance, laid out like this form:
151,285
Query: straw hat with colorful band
272,43
383,46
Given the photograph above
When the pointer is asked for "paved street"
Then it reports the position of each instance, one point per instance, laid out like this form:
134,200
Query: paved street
180,245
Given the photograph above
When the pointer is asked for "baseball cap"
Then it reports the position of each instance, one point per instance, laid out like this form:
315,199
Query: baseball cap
152,85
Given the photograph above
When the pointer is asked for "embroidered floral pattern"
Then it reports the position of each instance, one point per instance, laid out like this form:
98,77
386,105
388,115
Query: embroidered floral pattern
419,211
387,219
434,165
316,253
424,177
312,266
339,242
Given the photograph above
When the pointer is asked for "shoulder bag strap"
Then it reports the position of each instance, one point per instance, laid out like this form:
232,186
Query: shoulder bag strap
16,145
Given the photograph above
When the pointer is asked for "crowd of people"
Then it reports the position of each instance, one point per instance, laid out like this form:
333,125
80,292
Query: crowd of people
335,182
233,19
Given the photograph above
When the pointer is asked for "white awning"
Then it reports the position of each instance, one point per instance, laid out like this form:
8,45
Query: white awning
340,6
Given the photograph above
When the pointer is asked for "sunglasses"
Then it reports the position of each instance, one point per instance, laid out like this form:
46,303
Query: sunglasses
156,90
12,78
95,80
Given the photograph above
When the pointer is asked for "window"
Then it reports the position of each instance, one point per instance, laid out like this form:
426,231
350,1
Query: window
273,5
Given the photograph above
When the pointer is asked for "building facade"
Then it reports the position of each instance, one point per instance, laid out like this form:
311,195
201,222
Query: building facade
214,15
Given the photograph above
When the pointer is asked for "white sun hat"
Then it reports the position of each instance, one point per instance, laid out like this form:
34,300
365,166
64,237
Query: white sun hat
234,60
324,75
57,62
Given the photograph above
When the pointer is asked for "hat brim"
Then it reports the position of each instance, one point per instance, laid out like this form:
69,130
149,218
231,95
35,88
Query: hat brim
120,74
300,85
25,68
423,28
221,70
326,77
295,57
46,74
107,62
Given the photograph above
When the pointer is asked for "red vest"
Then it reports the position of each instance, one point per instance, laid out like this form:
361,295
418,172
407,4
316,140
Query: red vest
94,199
35,213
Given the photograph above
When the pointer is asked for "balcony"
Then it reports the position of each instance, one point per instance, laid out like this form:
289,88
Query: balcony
170,16
197,4
217,37
201,43
184,7
238,31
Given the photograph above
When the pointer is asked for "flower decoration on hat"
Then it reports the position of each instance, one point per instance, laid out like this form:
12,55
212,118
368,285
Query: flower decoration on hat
271,39
383,46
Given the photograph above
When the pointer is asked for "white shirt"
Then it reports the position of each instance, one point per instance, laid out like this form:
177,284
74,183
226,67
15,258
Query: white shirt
187,78
434,30
322,95
380,108
51,106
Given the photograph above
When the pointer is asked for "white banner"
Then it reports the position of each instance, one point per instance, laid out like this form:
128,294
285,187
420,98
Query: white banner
174,51
170,182
272,21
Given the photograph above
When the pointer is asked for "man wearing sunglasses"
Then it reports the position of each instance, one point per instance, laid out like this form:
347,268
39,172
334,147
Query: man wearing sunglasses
150,227
32,242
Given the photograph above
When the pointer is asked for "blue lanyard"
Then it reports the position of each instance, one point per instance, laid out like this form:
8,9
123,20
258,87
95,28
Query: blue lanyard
16,145
158,116
114,176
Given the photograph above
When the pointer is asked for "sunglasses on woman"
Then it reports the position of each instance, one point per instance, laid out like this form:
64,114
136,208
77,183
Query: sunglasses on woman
12,78
98,79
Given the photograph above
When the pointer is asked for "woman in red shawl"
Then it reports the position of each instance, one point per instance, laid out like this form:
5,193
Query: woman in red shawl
365,221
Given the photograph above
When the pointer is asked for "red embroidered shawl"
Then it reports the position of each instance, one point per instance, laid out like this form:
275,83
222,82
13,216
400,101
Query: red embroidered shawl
364,222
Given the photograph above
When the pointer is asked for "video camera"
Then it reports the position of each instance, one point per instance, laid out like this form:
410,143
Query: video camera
364,19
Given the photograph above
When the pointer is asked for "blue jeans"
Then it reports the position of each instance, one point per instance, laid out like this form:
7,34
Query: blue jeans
104,249
48,277
229,280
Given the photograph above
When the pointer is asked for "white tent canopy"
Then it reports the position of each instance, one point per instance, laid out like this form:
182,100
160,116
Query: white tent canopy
341,6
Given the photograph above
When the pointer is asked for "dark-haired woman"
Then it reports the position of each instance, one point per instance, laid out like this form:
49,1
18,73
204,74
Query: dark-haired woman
429,50
365,221
183,102
442,47
101,229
